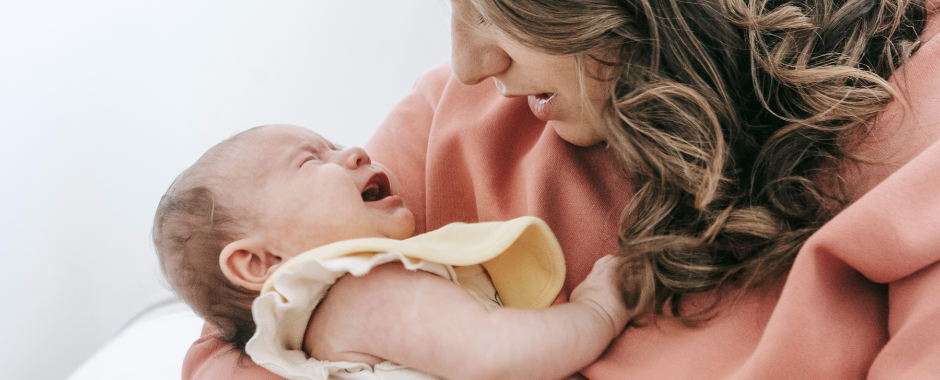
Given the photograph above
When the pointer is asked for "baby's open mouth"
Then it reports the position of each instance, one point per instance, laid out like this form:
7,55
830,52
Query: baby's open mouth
377,188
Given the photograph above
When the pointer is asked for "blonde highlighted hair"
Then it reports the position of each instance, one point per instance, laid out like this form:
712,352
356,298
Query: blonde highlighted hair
730,117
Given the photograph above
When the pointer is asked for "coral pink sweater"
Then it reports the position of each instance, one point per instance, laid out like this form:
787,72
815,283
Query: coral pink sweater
861,299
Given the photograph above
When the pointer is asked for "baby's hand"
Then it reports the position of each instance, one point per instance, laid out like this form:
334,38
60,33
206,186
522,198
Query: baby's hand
600,290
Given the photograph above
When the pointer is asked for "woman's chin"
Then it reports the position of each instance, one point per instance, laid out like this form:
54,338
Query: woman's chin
577,134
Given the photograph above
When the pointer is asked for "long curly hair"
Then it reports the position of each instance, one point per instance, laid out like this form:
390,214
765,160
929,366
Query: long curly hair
730,117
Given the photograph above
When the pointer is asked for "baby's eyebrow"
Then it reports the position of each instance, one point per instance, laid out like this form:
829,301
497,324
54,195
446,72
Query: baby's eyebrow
301,152
308,147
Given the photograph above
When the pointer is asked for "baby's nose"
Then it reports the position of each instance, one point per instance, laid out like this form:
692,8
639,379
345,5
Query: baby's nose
355,157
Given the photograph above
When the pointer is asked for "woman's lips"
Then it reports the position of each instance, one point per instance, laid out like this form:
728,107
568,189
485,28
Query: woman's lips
543,105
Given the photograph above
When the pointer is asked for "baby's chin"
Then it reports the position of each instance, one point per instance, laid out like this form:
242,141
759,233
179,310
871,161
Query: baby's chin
401,226
407,225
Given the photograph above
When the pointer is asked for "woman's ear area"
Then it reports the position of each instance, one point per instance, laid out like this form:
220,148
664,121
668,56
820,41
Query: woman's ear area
248,263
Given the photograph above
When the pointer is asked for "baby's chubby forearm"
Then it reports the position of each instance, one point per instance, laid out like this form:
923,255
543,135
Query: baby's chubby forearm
558,341
428,323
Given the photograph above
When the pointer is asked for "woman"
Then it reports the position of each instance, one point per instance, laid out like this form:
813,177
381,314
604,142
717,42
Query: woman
705,142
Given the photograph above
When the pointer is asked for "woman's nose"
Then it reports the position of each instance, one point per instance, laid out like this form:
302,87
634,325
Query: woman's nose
355,157
474,57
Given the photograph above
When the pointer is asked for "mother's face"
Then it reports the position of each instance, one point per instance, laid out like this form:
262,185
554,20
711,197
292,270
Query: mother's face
551,82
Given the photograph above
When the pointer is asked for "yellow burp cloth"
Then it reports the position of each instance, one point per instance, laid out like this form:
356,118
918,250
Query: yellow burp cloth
522,256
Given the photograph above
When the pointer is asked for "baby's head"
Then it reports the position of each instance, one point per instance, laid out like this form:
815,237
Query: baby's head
257,199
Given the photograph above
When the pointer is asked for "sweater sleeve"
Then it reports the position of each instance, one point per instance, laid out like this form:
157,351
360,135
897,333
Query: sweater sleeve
400,144
209,358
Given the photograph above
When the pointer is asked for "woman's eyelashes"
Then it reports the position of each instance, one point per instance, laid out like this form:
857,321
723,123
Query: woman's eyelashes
482,20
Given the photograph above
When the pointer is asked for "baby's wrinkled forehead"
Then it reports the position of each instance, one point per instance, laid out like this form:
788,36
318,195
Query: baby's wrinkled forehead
276,139
224,163
254,154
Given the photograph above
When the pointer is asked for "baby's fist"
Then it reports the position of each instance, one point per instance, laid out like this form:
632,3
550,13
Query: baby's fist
601,290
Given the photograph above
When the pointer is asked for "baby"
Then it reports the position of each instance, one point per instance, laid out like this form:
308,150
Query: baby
266,195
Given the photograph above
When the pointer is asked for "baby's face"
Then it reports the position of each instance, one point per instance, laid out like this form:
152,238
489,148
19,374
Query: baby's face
305,192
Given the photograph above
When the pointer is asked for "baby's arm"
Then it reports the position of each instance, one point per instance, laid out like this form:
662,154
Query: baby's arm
431,324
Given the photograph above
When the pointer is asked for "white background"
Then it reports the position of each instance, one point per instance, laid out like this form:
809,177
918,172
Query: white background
104,102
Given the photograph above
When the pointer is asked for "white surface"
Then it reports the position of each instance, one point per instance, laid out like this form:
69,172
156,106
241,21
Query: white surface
104,102
150,349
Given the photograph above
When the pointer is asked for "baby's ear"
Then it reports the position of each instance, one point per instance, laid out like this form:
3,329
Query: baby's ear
247,263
